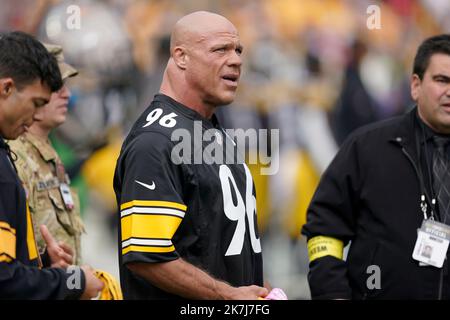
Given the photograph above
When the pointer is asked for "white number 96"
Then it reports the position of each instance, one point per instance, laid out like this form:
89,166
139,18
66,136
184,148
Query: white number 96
166,121
240,211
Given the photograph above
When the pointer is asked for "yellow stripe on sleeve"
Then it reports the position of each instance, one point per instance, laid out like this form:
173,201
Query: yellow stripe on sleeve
31,242
5,258
145,203
6,225
149,226
322,246
147,249
7,244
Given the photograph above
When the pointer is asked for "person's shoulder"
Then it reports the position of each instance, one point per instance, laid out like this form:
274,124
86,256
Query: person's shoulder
162,117
27,155
151,142
158,126
20,145
27,145
148,140
380,130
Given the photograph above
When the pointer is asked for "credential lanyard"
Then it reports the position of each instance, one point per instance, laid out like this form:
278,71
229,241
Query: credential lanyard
423,190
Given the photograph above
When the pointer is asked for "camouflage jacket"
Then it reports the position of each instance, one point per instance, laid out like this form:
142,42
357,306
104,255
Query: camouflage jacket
41,172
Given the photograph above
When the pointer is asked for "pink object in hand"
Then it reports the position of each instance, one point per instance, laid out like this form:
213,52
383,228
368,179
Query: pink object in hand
276,294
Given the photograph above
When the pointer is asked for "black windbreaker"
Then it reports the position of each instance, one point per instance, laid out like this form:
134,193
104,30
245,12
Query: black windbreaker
370,195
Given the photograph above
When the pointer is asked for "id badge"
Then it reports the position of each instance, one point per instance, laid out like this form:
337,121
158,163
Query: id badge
66,195
432,243
430,249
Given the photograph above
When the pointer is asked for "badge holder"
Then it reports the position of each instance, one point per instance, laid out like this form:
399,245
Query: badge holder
432,242
64,188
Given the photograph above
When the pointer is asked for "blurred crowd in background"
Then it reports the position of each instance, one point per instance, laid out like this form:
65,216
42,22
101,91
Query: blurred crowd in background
311,68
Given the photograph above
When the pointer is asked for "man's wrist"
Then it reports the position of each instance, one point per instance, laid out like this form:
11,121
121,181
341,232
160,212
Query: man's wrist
222,290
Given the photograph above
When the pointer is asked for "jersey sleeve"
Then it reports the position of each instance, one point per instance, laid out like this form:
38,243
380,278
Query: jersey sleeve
7,227
150,195
19,281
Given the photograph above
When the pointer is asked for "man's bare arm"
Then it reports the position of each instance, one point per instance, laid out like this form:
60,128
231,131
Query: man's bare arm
184,279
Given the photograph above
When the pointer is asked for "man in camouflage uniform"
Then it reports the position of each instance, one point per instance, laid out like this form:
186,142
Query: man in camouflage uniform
51,200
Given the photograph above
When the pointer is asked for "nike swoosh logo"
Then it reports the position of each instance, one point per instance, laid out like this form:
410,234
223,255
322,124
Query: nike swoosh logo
148,186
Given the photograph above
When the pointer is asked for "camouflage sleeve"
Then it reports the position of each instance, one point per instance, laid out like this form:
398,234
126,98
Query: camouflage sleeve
24,170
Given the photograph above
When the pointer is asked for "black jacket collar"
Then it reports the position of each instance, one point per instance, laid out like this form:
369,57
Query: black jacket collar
3,144
404,134
427,133
412,129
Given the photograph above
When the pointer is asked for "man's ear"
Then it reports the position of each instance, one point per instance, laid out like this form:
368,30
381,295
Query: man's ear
180,57
6,87
415,87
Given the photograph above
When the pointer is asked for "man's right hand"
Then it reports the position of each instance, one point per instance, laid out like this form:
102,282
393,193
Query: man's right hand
93,285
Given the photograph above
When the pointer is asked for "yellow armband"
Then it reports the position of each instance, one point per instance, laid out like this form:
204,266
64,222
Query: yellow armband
321,246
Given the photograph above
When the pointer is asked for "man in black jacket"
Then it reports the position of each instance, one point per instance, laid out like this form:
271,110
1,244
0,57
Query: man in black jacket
388,183
28,75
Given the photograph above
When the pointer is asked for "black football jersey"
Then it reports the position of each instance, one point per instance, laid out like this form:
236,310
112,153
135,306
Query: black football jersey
179,198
